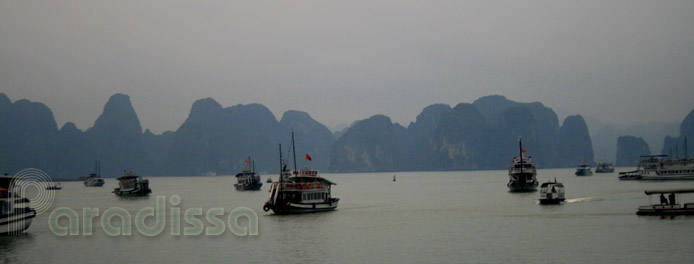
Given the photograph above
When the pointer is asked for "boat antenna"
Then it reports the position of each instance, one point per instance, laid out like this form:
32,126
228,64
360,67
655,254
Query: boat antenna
294,151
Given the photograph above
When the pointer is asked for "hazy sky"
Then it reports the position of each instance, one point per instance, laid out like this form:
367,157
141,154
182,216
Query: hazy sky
618,61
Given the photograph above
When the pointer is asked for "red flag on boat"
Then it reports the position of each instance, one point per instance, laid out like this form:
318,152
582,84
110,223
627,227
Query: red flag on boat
522,150
308,157
246,161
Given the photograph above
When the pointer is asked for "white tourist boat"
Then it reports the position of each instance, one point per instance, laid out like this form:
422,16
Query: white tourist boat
94,179
667,205
584,169
300,191
522,174
551,192
660,167
15,213
131,184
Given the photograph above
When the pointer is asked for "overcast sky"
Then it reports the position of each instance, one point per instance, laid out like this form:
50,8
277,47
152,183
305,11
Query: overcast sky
618,61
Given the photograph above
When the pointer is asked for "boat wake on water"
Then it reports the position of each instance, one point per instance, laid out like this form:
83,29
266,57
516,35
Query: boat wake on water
584,199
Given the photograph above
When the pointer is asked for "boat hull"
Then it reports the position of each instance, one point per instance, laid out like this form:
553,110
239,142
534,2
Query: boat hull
94,183
520,187
551,201
16,223
688,209
301,208
139,192
252,187
584,173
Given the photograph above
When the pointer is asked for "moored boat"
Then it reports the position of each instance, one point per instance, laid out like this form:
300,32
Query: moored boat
604,167
522,173
551,192
300,191
660,167
15,213
131,184
247,179
56,186
669,205
584,169
94,179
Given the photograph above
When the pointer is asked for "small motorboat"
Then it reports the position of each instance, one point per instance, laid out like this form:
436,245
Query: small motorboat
551,192
56,186
669,205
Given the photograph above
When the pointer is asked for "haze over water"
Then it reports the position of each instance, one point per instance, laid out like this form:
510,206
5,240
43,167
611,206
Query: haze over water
423,217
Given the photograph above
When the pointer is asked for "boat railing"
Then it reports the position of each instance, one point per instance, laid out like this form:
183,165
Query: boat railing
302,185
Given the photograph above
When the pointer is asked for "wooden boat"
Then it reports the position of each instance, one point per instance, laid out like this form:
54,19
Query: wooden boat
522,173
131,184
300,191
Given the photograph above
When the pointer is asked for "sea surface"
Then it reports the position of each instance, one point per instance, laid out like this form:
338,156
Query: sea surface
423,217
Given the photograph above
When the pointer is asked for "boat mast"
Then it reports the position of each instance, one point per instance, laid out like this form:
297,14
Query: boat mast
281,166
294,151
520,152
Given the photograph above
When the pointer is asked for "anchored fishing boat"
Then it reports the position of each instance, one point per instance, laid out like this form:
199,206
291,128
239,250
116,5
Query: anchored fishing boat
132,184
669,205
300,191
522,174
15,213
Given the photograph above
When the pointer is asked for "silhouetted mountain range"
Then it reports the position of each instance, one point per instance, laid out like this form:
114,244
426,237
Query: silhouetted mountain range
481,135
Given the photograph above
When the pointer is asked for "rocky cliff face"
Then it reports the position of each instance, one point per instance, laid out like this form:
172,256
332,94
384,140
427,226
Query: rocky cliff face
674,146
629,150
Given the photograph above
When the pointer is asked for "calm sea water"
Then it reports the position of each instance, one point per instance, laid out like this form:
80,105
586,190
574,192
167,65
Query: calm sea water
424,217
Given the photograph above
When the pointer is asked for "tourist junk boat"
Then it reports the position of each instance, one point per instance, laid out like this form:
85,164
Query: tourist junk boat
604,167
522,174
584,169
15,213
660,167
669,205
94,179
300,191
130,184
247,179
551,192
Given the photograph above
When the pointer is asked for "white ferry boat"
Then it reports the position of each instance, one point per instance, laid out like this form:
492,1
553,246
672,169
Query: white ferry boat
15,213
522,174
660,167
94,179
551,192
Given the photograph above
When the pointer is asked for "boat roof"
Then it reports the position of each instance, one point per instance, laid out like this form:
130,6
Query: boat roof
558,184
311,178
649,192
129,176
